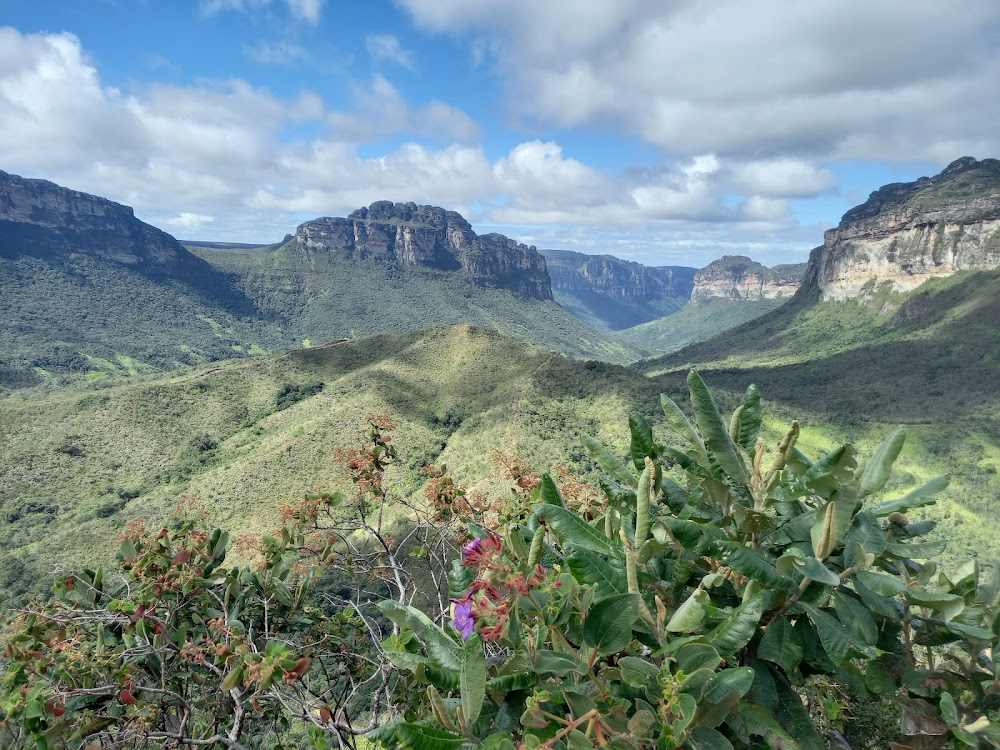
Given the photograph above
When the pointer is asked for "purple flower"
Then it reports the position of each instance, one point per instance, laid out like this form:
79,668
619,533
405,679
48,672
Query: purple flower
464,623
470,550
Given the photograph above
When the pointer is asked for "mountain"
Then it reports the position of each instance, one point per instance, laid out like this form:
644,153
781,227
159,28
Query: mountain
613,294
428,237
737,277
91,291
726,293
859,344
906,233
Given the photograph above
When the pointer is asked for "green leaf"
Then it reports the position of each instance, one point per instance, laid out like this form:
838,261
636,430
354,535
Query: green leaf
694,656
421,737
836,639
856,617
815,570
948,710
472,682
558,663
879,465
706,738
443,649
736,680
637,672
737,629
642,444
606,460
948,605
548,491
880,583
589,567
679,421
688,616
715,432
916,550
792,715
754,565
571,529
608,627
923,495
781,644
750,419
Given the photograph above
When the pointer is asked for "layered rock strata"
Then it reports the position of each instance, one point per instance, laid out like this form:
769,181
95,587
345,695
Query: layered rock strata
737,277
429,237
907,233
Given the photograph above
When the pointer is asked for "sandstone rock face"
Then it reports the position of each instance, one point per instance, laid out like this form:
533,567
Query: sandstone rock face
577,272
429,237
41,217
906,233
737,277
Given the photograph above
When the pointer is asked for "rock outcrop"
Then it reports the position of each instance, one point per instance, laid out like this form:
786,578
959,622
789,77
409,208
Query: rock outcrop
906,233
429,237
737,277
623,279
41,218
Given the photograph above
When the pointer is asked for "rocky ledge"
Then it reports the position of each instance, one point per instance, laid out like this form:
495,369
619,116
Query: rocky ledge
906,233
39,217
737,277
428,237
622,279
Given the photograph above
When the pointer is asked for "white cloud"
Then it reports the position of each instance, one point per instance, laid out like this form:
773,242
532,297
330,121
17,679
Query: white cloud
305,10
278,53
828,79
220,159
381,109
386,47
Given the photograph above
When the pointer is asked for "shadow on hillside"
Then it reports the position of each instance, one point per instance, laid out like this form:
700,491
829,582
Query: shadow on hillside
907,382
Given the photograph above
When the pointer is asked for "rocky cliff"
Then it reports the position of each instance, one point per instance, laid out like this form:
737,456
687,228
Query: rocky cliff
428,237
614,294
38,217
737,277
906,233
605,274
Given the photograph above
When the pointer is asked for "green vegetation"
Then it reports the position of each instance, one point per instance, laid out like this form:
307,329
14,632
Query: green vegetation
696,321
76,462
76,315
929,359
721,594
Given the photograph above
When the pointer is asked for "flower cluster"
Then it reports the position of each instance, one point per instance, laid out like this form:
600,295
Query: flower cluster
499,581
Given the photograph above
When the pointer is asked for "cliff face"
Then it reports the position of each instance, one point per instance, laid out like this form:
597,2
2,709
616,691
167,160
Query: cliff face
605,274
737,277
41,218
429,237
906,233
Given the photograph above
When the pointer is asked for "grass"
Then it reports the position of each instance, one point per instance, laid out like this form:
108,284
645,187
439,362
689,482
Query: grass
695,322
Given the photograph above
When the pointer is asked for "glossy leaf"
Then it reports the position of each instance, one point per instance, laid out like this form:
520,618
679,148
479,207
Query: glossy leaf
781,644
609,623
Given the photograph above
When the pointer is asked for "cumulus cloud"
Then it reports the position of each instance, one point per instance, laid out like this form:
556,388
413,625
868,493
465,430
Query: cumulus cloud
910,80
223,160
381,109
387,48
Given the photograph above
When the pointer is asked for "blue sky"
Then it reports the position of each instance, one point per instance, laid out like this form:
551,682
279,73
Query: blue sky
668,133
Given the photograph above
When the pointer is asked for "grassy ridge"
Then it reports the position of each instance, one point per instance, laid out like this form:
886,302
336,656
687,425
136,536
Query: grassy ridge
695,322
76,463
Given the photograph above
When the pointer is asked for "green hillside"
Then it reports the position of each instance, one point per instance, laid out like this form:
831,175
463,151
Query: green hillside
243,436
696,321
328,296
75,315
76,463
929,359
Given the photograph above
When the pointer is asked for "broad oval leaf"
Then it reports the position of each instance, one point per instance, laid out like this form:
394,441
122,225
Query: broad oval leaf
472,682
608,627
879,465
781,644
736,680
606,460
443,649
